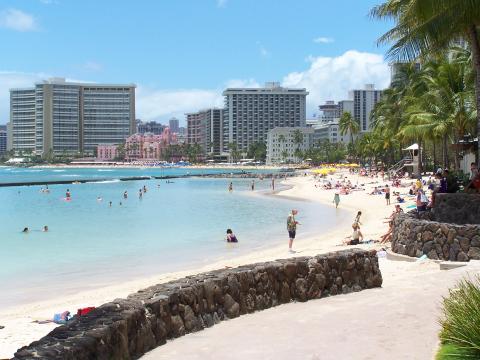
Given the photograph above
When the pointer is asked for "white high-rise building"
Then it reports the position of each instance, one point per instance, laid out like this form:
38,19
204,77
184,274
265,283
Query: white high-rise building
251,112
363,103
281,145
70,118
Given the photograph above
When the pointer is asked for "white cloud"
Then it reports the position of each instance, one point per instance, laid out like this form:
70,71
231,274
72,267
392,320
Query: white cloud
92,66
49,2
323,40
17,20
241,83
152,104
221,3
263,50
330,78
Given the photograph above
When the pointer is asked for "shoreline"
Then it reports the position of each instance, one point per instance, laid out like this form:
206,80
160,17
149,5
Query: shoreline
19,330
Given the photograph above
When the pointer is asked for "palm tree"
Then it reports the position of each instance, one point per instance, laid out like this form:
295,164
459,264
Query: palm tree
297,140
348,124
234,152
425,27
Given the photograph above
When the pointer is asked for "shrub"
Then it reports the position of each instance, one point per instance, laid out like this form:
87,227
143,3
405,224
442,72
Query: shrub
461,320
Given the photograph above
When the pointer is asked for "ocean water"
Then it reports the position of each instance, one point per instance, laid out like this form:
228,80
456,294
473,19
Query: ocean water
179,225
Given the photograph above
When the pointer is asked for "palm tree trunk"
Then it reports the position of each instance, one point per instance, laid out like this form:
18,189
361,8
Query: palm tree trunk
445,152
475,45
457,154
420,162
434,155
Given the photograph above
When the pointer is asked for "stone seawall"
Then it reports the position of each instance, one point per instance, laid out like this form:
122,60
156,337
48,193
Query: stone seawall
127,328
416,236
457,208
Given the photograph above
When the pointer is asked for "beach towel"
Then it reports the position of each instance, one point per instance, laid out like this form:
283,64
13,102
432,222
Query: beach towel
84,311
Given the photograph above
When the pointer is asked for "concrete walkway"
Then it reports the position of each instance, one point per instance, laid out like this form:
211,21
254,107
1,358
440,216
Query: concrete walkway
398,321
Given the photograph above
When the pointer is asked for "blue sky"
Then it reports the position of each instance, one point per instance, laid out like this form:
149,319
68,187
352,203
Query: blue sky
182,53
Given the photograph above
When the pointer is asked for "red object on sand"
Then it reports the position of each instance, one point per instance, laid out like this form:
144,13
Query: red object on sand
84,311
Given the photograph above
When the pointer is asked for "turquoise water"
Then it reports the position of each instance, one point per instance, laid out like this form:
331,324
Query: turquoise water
17,175
174,226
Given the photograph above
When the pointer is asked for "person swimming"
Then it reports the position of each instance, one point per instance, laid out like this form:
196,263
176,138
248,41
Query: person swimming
125,194
45,228
231,236
25,230
140,193
68,195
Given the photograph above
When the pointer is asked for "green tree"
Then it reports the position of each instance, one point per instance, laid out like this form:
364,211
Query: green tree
298,141
257,151
348,124
234,152
426,27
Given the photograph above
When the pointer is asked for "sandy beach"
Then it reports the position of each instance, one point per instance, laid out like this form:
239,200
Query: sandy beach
19,329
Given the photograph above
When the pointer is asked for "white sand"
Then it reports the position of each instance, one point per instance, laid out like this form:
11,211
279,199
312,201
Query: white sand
19,330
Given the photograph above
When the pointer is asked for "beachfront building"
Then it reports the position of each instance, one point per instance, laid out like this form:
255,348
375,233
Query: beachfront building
3,139
204,128
148,146
328,131
22,119
330,112
107,152
251,112
60,117
363,103
282,146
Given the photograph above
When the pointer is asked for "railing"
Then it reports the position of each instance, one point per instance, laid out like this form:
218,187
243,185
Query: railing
399,165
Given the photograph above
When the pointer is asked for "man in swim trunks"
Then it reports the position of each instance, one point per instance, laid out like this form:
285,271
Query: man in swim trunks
292,228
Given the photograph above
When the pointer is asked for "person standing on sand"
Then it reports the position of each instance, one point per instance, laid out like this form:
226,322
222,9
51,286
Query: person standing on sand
387,194
336,199
292,228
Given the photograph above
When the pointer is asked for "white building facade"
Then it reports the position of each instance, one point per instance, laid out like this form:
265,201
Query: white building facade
329,131
251,112
281,145
363,103
70,118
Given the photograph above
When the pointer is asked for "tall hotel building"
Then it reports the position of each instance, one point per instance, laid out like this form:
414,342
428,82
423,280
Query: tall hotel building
70,118
204,127
363,103
251,112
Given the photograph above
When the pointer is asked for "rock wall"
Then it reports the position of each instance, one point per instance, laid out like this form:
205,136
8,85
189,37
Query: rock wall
457,208
414,236
127,328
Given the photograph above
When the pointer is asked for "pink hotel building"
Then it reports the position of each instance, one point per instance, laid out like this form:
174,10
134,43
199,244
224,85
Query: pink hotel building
139,147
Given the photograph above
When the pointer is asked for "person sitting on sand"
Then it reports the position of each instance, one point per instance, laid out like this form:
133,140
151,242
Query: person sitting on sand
231,238
357,235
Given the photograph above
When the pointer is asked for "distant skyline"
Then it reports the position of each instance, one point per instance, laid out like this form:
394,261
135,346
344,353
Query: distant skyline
182,54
